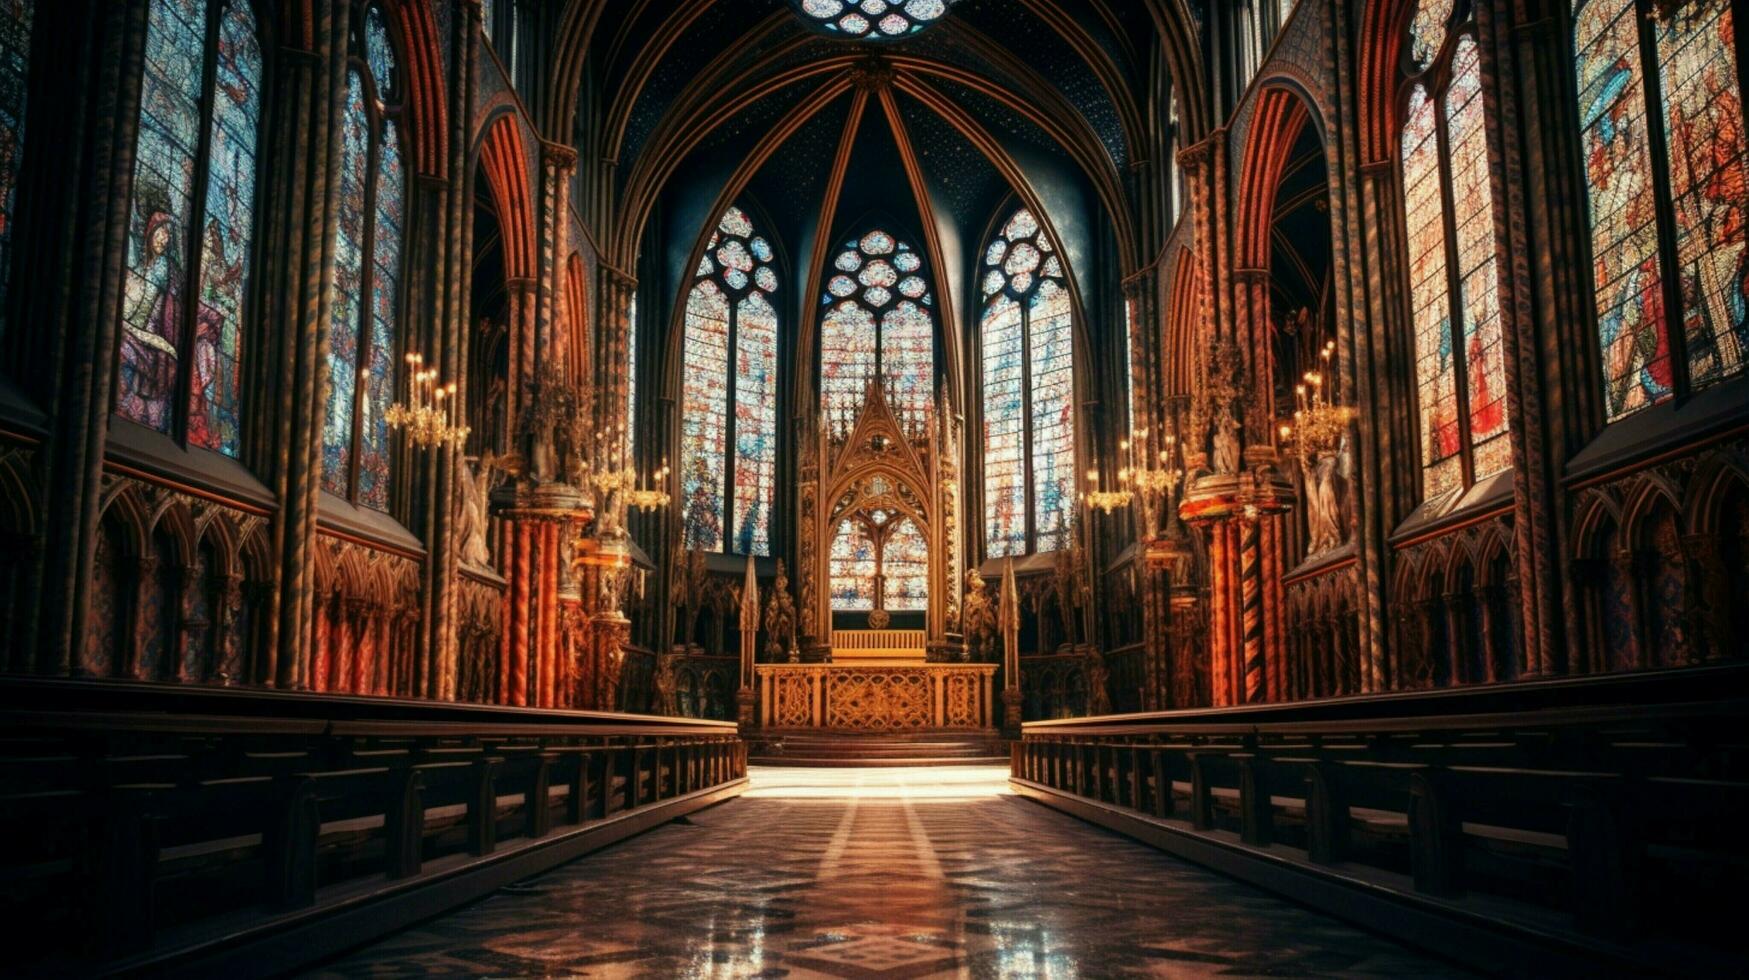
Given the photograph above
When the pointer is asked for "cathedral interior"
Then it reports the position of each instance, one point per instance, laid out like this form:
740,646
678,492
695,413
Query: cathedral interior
859,488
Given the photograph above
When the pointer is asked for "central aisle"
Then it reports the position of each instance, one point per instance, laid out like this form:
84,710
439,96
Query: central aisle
882,873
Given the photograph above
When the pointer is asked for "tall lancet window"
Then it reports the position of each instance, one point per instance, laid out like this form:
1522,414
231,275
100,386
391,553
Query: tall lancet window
728,423
877,279
191,226
1661,118
1454,285
367,270
1027,333
16,20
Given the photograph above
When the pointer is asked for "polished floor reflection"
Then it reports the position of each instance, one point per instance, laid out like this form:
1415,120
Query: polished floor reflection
882,873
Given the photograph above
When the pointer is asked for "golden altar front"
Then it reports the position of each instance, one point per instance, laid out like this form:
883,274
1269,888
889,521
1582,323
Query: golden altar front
877,696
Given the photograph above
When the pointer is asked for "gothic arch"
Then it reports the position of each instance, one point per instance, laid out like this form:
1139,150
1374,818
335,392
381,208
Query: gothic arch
427,96
1380,55
504,162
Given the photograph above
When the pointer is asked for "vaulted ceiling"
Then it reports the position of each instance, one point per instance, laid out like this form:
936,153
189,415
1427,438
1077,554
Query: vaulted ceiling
712,102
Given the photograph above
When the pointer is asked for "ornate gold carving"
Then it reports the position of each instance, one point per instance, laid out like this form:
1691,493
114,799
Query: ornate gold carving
878,700
792,696
963,701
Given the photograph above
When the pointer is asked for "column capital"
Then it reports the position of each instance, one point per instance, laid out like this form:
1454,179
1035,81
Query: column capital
558,155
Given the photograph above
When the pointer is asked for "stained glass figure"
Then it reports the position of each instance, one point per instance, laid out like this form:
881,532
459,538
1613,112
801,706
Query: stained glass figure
1690,50
363,335
189,242
728,443
16,20
1454,283
1027,337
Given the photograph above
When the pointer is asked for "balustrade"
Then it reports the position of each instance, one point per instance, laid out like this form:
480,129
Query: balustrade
258,809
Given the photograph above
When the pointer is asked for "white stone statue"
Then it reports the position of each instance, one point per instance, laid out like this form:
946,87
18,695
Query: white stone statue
1226,442
473,479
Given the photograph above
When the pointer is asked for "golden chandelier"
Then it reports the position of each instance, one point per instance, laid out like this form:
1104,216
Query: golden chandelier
429,416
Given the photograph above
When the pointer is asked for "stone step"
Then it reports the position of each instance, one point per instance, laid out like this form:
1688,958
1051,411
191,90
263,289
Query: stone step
835,762
873,749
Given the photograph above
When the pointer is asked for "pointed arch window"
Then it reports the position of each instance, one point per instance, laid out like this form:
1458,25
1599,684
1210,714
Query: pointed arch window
1027,334
368,239
191,224
728,425
1454,286
16,19
1662,129
877,279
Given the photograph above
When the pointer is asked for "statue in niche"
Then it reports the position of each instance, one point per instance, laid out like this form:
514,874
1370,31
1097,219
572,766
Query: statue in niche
1098,682
780,621
978,618
1072,590
691,587
473,478
1326,493
666,683
1226,440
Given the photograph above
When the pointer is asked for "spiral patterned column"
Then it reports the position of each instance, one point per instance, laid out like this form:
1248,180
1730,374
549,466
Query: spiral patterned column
1251,609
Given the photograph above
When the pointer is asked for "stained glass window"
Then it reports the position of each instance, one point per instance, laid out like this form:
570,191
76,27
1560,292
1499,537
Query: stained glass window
853,567
874,20
879,558
362,337
16,19
1690,51
728,426
189,243
1454,288
877,279
904,568
1027,342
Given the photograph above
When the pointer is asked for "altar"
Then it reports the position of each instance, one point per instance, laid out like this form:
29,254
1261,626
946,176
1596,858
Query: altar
877,696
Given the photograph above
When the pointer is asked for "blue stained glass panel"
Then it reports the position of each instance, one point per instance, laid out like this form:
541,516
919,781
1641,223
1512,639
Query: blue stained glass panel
344,326
1004,431
214,412
16,18
704,419
755,423
379,52
164,165
1053,415
373,457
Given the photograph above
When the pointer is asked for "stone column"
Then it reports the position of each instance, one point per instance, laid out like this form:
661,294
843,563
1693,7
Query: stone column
74,200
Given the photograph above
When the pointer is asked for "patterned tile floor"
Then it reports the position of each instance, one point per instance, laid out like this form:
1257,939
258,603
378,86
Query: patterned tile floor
898,873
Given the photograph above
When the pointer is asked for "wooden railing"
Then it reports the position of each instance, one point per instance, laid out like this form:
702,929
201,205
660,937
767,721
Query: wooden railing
163,828
1618,801
878,644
